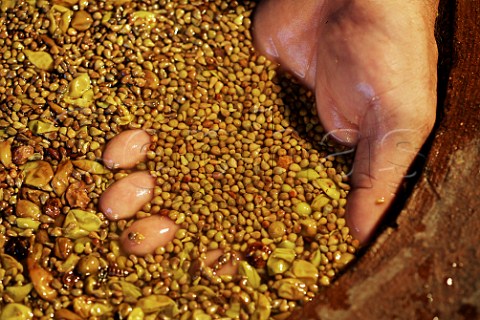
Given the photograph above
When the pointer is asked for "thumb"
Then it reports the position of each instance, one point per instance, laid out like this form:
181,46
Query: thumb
381,163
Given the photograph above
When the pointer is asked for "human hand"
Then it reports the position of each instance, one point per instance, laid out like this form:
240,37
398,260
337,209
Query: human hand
372,66
375,88
124,198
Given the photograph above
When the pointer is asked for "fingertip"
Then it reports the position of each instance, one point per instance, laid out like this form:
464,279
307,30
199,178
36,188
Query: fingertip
144,236
125,197
127,149
212,258
362,218
285,31
263,30
380,166
364,213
